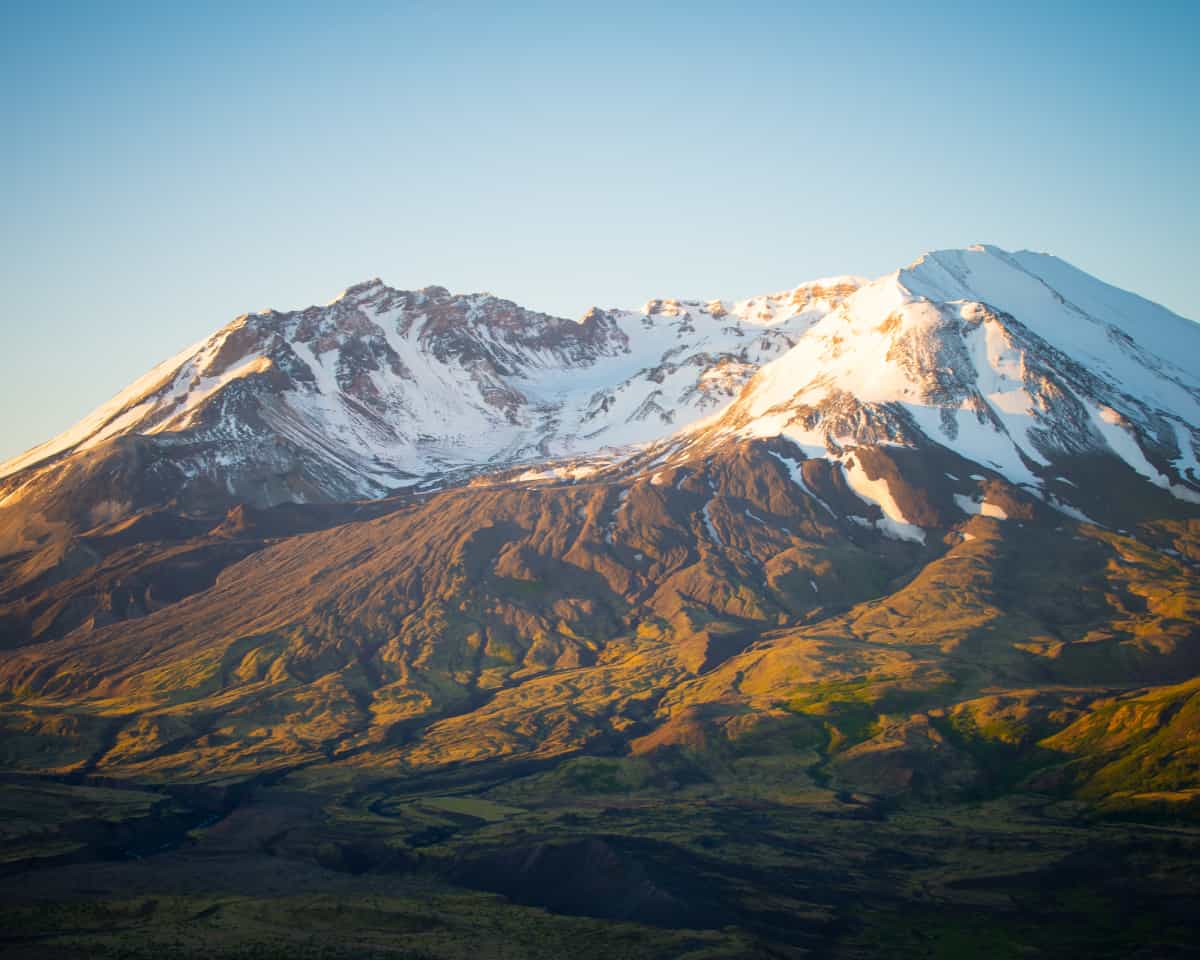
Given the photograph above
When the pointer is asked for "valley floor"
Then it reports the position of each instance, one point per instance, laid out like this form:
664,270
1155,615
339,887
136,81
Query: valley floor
574,859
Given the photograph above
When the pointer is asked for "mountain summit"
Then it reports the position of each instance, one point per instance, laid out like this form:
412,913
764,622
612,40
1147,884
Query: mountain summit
1009,359
382,389
970,383
978,352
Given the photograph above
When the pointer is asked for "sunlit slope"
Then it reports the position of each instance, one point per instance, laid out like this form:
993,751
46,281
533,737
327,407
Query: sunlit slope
934,534
720,607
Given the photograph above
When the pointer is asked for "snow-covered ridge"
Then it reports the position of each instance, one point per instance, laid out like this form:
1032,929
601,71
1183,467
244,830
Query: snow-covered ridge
380,388
1010,360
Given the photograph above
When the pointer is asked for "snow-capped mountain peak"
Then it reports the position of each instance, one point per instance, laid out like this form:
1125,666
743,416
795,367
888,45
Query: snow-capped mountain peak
380,388
1012,361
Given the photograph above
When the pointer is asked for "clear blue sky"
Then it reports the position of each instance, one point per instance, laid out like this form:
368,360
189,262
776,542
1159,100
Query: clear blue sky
166,166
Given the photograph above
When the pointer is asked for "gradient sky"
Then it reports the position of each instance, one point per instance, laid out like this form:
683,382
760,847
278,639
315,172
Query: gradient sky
165,167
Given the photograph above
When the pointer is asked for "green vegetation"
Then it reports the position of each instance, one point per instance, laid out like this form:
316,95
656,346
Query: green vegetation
421,923
510,722
472,807
647,871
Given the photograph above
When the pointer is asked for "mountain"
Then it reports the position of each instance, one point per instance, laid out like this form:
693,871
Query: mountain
976,352
692,476
382,389
765,617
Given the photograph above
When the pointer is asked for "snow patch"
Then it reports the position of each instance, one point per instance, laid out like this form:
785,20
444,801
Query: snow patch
708,525
973,507
1121,442
893,523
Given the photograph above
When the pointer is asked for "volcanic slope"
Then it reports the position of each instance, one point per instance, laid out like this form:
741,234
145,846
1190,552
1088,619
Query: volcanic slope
733,604
960,482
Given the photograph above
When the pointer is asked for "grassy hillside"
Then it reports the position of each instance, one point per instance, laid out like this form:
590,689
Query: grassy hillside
691,712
